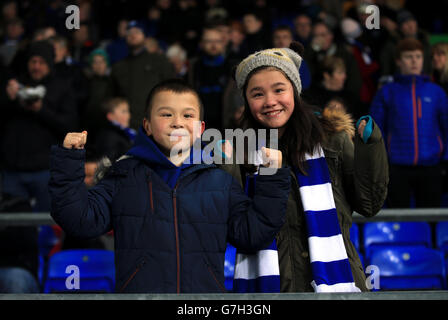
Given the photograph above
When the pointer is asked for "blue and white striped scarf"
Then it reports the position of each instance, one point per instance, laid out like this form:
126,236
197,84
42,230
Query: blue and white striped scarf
329,261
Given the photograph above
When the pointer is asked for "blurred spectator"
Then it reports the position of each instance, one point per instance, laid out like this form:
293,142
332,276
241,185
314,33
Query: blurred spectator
34,123
407,28
412,113
9,12
100,89
82,44
19,62
302,29
190,22
14,34
178,57
161,21
281,38
209,74
118,48
236,40
66,67
152,45
440,64
322,46
115,139
257,35
135,76
368,67
330,86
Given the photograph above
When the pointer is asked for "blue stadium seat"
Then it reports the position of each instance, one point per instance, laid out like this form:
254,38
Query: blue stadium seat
442,236
409,268
377,234
354,235
49,241
229,267
96,271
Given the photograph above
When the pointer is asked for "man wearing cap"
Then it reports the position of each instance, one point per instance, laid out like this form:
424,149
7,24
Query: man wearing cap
407,28
134,77
32,124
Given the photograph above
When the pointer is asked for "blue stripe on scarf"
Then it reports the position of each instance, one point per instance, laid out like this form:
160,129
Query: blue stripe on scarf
332,272
262,284
316,173
322,223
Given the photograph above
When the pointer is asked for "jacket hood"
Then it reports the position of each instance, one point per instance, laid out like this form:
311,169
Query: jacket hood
339,121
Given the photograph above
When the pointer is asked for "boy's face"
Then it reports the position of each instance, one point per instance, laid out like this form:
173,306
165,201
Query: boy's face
172,120
120,114
411,62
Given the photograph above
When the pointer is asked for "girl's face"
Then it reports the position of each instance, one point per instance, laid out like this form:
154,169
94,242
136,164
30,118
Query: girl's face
270,96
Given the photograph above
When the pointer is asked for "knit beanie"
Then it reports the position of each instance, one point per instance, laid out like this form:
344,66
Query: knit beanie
99,52
42,49
287,60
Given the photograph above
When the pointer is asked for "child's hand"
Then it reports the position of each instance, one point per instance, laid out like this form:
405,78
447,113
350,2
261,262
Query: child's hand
271,158
361,127
75,140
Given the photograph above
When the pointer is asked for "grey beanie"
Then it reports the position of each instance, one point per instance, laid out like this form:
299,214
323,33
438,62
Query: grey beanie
284,59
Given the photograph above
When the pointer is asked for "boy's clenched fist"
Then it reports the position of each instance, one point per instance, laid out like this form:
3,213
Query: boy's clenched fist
75,140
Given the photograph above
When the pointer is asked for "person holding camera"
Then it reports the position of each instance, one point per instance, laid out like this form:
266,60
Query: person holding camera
39,108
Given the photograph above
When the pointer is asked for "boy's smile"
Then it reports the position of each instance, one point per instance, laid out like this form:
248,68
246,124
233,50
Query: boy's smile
172,121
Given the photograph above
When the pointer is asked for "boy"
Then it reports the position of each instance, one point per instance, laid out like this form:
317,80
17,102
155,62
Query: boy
116,137
412,112
171,220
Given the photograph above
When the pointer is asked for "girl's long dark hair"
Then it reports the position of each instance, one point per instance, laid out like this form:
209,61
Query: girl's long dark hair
304,131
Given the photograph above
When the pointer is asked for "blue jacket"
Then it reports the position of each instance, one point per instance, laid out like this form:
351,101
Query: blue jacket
412,113
167,240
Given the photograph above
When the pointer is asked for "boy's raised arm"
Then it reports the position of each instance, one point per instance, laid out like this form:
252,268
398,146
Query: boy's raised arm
80,212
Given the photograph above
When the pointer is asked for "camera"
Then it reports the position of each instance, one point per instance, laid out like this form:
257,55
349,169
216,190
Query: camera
31,94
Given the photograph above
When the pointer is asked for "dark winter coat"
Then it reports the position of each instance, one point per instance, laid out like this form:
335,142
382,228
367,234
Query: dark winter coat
167,240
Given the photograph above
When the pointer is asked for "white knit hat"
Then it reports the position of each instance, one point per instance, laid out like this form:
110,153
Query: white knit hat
284,59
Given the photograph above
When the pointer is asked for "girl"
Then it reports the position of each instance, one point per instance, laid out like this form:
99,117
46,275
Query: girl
334,172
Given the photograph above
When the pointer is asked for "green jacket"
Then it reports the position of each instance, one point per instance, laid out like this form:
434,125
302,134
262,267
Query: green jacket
360,174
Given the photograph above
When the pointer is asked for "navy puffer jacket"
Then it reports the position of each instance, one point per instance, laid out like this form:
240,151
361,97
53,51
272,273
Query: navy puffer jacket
167,240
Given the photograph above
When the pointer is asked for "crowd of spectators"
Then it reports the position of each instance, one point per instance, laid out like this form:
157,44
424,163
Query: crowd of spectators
96,78
123,48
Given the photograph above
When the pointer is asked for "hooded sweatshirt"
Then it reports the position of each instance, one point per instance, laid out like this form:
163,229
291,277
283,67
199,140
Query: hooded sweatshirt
147,150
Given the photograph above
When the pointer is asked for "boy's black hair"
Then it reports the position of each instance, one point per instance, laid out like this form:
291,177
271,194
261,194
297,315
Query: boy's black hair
173,85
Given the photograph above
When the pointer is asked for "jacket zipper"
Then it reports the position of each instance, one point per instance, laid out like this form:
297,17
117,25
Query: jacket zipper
151,201
140,265
414,111
176,232
150,196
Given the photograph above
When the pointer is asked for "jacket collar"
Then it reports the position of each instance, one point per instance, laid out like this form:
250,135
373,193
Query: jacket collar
407,79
